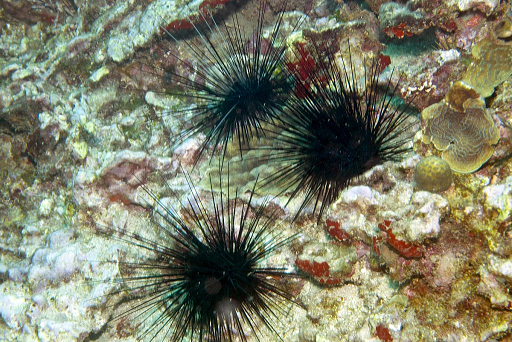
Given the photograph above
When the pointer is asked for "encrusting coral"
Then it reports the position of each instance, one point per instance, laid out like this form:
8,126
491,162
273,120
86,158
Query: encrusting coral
491,66
465,137
460,125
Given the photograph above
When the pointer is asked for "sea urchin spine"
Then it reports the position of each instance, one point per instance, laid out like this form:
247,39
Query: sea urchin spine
206,280
334,130
241,81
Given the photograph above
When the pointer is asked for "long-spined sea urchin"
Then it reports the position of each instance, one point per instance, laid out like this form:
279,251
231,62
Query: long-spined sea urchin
333,130
241,82
206,280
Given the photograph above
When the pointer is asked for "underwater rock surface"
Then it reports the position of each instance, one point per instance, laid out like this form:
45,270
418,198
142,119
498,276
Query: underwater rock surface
86,115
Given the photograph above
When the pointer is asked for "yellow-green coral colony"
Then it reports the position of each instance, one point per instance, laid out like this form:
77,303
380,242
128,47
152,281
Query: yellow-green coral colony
466,137
433,174
460,125
492,64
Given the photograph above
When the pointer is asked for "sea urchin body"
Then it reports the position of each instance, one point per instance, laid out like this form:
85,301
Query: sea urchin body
334,130
206,280
240,81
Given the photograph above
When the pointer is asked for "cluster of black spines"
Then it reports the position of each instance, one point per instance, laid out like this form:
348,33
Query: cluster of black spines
335,128
205,280
240,83
329,128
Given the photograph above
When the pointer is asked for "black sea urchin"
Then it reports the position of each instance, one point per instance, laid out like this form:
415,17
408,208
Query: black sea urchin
206,280
334,130
240,84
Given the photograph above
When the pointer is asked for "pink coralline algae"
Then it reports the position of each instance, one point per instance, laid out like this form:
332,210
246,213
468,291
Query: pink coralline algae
319,270
327,263
334,230
383,333
404,248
